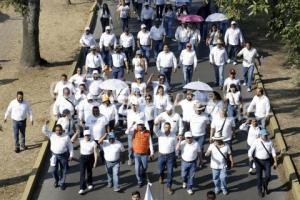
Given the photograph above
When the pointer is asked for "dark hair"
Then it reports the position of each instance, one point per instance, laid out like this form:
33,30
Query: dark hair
136,193
58,126
248,42
167,123
211,193
161,75
105,8
149,96
20,93
64,75
233,86
95,107
217,96
168,7
160,87
261,90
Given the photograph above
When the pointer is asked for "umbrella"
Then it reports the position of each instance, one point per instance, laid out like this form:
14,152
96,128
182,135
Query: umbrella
198,85
190,18
113,84
216,17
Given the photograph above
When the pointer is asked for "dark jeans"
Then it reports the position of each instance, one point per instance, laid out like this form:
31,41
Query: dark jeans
111,125
248,75
166,161
146,51
157,47
86,167
124,22
104,23
59,171
167,71
187,73
151,124
118,72
85,51
106,56
262,165
19,127
129,53
159,10
148,23
186,126
232,52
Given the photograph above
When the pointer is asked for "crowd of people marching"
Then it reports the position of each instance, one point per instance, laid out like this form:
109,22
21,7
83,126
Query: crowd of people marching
146,109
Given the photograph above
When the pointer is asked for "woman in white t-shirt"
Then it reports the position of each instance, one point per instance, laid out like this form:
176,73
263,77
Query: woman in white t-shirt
139,64
161,100
88,160
219,153
214,105
234,101
149,112
139,84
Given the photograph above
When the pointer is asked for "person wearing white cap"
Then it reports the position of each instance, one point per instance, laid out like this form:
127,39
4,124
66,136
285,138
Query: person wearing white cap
66,101
171,117
124,14
93,61
88,160
139,84
127,42
217,59
86,41
190,153
108,41
94,84
85,108
141,143
166,148
113,150
188,60
264,155
147,15
140,64
260,104
234,39
220,155
158,36
144,41
62,151
166,62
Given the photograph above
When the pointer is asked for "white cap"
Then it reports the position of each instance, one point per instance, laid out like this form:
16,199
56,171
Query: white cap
95,72
140,122
86,132
169,107
93,47
143,26
188,134
89,96
233,22
87,28
107,28
137,76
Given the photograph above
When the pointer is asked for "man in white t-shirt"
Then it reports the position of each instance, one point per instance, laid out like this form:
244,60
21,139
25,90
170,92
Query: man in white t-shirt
97,124
190,153
231,80
219,153
144,41
249,55
157,34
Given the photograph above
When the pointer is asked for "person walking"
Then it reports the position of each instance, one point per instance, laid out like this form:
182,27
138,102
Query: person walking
94,61
140,64
233,39
119,64
217,59
263,153
157,35
124,15
168,20
141,145
160,4
232,79
144,41
62,151
86,41
249,56
88,160
166,62
147,15
188,60
182,36
212,37
214,105
109,110
190,153
107,43
161,100
166,148
105,16
234,102
19,109
112,153
127,42
220,155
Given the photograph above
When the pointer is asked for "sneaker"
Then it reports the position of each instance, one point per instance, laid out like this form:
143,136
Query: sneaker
62,187
23,148
244,84
129,162
17,150
250,171
117,189
170,191
55,184
225,192
184,185
190,191
234,63
249,89
90,187
109,185
81,192
228,61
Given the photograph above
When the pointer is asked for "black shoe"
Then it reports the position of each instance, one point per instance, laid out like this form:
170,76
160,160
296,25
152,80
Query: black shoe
17,150
55,184
62,187
266,190
260,193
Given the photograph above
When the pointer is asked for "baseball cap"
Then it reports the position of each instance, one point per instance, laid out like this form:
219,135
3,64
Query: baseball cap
86,132
111,135
105,98
188,134
233,22
143,26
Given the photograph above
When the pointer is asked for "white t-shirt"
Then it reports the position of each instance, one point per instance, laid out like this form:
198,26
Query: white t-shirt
87,147
97,126
217,161
124,11
187,108
227,129
234,98
189,152
112,151
141,87
228,81
248,56
144,37
198,124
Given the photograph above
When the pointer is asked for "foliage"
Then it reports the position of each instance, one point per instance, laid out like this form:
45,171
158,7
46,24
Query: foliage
283,22
20,6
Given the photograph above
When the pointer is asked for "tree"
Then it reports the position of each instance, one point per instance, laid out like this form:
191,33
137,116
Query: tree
283,20
30,10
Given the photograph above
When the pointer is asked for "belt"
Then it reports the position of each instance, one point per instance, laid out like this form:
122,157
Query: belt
145,45
113,161
166,154
166,67
190,161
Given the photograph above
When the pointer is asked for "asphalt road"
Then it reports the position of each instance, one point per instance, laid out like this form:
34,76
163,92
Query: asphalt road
240,184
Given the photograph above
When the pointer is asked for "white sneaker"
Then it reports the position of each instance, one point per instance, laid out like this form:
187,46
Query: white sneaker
184,185
81,192
234,63
249,89
190,191
244,84
228,61
117,190
90,187
250,171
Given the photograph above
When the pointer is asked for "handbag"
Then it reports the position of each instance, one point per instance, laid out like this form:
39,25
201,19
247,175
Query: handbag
228,161
270,155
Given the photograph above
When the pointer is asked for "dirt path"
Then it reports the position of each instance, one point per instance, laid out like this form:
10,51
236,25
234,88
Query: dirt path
60,30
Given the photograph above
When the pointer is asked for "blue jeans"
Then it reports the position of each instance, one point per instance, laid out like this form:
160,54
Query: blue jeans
167,71
19,127
106,56
181,46
188,73
219,179
118,72
219,74
166,160
146,51
59,171
232,52
140,165
188,170
168,24
248,75
232,110
157,47
200,140
262,166
129,140
113,169
124,23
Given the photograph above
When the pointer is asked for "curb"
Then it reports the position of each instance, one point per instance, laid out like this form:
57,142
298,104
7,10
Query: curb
273,126
37,167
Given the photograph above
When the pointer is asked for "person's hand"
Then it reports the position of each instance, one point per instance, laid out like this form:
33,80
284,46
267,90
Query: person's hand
275,165
180,138
250,158
95,165
151,157
211,140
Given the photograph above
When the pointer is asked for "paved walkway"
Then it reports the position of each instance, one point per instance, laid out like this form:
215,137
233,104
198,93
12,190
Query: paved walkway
240,184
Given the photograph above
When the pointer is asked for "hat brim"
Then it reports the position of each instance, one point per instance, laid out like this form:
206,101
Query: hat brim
217,138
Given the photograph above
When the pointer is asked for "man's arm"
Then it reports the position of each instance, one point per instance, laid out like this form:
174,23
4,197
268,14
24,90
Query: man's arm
29,112
174,62
195,61
95,155
8,111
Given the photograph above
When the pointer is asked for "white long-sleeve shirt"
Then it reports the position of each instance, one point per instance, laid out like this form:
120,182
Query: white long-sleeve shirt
218,56
62,104
182,34
260,106
93,61
166,60
233,36
107,40
260,151
127,41
18,111
59,143
188,57
110,112
147,13
174,119
87,40
157,33
60,85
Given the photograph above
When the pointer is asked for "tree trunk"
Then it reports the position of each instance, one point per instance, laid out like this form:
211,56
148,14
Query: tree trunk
31,48
68,2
